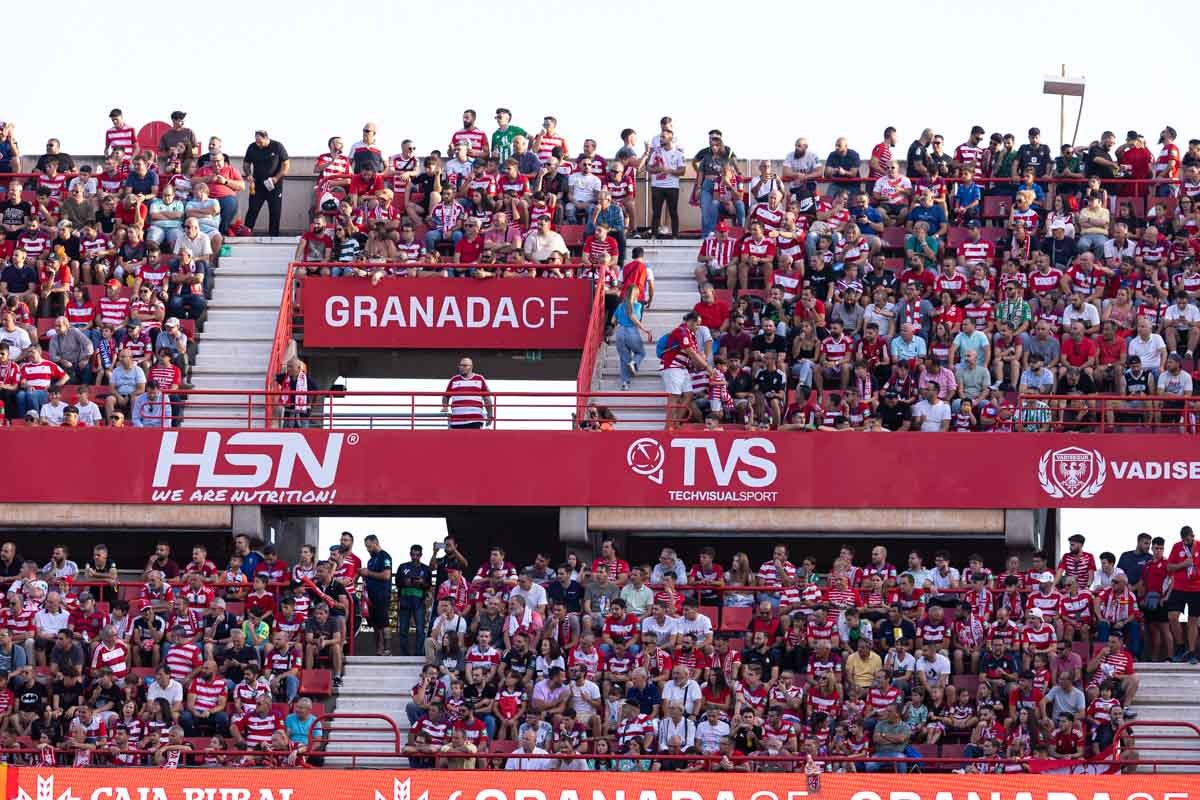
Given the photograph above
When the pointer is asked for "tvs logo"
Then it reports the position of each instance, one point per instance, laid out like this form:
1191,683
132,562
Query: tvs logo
646,457
746,462
1072,472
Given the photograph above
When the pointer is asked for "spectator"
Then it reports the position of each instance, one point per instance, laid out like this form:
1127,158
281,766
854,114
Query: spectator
266,163
224,182
71,350
151,409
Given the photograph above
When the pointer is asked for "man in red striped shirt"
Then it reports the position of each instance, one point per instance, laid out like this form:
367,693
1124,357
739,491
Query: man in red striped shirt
470,135
468,399
206,700
1113,663
183,657
1075,562
119,135
254,730
111,653
36,376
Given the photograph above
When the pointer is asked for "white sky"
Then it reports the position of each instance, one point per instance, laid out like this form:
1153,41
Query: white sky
764,72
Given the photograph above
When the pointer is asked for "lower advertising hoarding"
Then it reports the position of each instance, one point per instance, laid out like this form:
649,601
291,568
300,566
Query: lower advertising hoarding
627,469
130,783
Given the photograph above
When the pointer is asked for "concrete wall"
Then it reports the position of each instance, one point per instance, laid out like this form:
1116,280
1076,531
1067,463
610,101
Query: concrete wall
116,515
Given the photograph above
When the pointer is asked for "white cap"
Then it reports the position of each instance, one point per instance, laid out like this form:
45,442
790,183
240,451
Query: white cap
1036,612
1046,577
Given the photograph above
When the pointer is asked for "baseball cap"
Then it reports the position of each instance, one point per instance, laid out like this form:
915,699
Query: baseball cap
1036,612
1045,577
178,114
1132,135
1057,226
113,282
972,223
171,322
723,226
1174,357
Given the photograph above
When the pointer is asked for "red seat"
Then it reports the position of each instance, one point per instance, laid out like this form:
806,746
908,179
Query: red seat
993,235
996,207
711,612
955,236
150,134
968,682
504,746
735,619
236,607
1081,649
572,235
316,682
894,237
102,606
131,592
724,296
1138,204
280,710
894,264
144,673
953,751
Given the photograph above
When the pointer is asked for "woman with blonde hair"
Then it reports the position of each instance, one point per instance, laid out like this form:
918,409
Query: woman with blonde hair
739,574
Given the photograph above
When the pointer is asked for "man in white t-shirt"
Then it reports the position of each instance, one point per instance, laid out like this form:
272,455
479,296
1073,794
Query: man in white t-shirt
89,412
661,627
585,700
582,188
1085,312
1182,319
932,414
682,691
711,730
932,668
1149,347
695,623
1175,382
532,593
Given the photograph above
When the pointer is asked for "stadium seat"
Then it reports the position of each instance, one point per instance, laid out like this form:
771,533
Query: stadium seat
572,235
996,207
131,593
736,620
712,612
1081,649
145,673
504,746
894,264
736,645
955,236
280,709
1171,204
894,237
316,682
968,682
952,751
993,235
1138,204
236,607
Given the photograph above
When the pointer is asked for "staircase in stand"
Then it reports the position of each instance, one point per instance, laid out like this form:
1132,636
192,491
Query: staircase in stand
373,685
673,263
239,332
1168,693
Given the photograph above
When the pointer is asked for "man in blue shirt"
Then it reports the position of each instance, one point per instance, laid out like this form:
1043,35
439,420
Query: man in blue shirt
143,181
967,198
843,163
377,581
927,211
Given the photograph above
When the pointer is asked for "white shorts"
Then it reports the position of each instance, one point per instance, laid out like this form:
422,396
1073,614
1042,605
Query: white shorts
677,381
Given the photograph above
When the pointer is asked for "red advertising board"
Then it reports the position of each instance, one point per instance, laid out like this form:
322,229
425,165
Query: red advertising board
498,314
635,469
133,783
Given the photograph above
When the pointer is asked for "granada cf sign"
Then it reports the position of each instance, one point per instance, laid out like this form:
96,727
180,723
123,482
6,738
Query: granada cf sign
447,313
617,468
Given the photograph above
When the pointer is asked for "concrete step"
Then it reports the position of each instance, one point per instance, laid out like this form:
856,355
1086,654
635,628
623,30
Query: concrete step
243,382
1155,711
239,350
262,298
247,267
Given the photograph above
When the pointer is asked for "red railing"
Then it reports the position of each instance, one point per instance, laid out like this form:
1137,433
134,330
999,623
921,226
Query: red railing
589,358
1106,413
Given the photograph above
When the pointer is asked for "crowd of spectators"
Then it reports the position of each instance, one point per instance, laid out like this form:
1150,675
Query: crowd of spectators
949,297
859,661
187,664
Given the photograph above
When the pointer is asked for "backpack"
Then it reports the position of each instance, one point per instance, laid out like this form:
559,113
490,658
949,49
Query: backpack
661,346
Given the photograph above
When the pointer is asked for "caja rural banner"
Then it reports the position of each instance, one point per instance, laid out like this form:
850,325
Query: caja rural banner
424,313
327,784
630,469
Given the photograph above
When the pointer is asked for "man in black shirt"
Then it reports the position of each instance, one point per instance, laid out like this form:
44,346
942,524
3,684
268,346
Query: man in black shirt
413,580
14,212
328,591
65,162
520,660
1035,156
566,591
266,163
916,163
10,563
1099,160
894,415
236,656
770,389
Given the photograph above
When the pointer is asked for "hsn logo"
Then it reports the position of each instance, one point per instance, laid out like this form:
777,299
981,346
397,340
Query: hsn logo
745,459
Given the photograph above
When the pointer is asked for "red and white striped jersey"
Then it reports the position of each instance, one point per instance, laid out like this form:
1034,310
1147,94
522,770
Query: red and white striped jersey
154,273
182,659
1025,218
247,693
836,350
1048,604
980,313
56,185
1043,282
332,168
969,155
465,394
1152,253
257,729
882,153
771,218
486,184
546,144
115,658
167,377
41,375
34,244
474,138
120,137
891,191
207,692
285,660
625,186
1077,607
91,248
438,732
981,252
763,248
933,633
516,187
81,315
1166,164
111,184
955,284
400,164
721,251
1039,637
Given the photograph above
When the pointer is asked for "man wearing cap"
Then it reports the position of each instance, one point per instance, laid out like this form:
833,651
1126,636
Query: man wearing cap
178,141
72,350
266,163
1059,248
